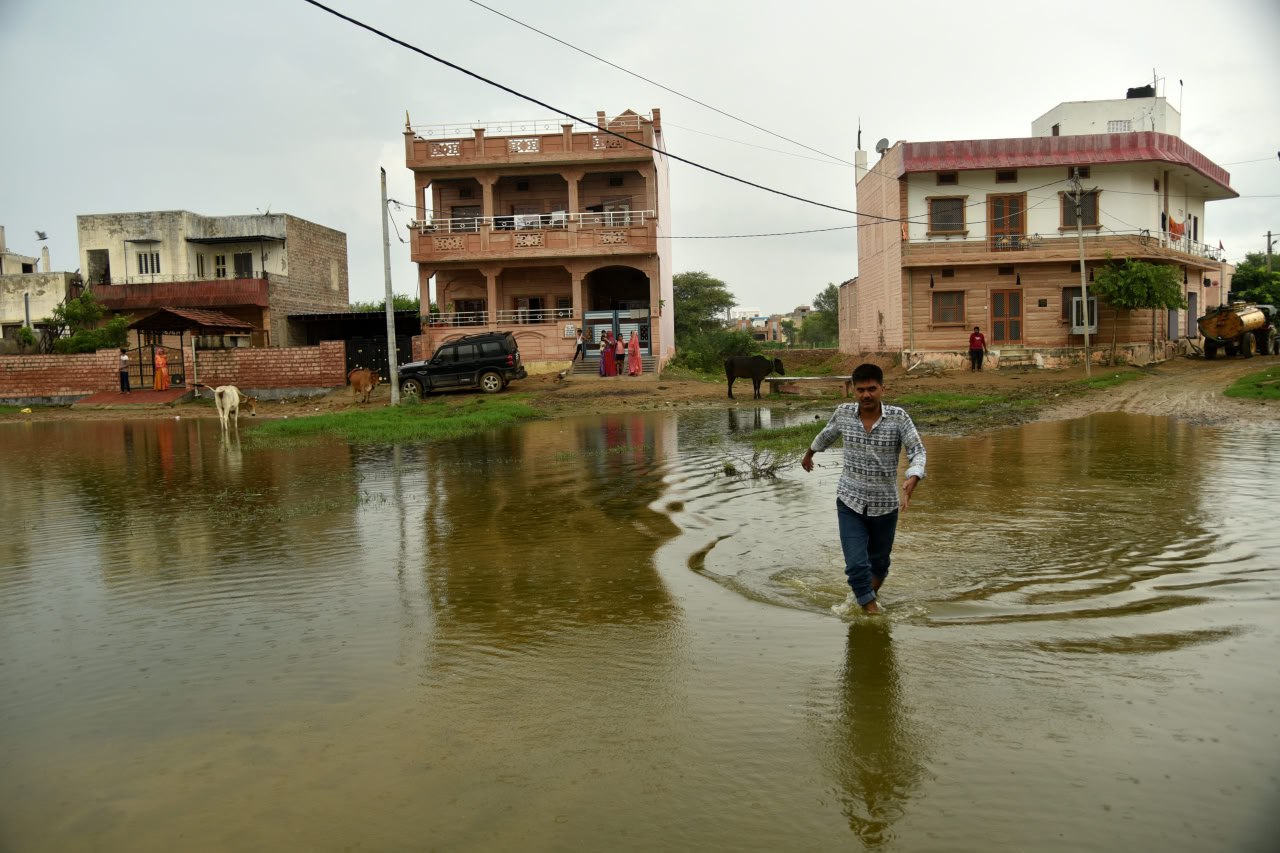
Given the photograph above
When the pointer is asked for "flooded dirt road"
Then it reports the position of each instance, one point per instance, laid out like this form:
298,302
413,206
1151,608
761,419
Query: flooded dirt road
581,634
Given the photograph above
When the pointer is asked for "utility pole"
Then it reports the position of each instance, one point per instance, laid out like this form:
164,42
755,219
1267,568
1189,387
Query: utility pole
1268,253
391,309
1078,196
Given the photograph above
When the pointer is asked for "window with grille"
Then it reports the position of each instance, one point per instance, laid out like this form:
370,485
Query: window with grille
219,266
200,266
948,307
1088,210
946,215
148,263
1119,126
948,178
1006,176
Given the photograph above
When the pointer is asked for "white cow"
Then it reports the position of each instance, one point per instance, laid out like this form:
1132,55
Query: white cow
228,399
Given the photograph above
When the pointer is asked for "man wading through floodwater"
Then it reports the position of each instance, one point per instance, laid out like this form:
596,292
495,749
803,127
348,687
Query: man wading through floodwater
867,501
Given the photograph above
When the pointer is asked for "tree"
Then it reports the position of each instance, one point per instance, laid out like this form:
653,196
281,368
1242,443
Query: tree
822,326
399,302
789,331
74,326
1136,285
1251,281
700,304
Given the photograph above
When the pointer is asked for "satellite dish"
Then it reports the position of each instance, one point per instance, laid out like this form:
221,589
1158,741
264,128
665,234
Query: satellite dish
882,146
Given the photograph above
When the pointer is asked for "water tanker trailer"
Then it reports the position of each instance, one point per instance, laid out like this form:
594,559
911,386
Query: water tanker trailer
1240,328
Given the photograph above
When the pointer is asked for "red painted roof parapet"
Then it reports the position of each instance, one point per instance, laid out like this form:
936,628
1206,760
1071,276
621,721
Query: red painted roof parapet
1029,151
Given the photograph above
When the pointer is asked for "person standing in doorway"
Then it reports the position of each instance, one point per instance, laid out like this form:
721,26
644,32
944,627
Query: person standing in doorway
977,349
867,497
124,371
580,348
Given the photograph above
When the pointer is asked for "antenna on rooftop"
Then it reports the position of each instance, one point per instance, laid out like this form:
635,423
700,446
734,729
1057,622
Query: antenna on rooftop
882,146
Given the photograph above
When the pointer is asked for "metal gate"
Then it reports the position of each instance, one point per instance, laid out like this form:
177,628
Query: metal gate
371,353
142,366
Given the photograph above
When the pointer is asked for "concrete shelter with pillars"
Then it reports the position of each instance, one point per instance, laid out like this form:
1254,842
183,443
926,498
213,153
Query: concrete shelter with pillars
541,228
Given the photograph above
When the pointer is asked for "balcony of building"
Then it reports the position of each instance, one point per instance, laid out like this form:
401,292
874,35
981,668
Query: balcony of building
546,235
1030,248
466,146
133,293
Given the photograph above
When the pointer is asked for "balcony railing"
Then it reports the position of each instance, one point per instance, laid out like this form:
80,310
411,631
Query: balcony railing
525,127
157,278
534,221
1057,244
517,316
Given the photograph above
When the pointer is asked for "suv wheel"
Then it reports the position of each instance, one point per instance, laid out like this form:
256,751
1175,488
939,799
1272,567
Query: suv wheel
490,382
411,388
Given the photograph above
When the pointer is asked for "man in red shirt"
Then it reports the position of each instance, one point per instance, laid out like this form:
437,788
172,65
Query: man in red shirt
977,349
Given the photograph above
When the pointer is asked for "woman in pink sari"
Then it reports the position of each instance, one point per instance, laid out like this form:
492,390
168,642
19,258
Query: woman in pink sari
633,355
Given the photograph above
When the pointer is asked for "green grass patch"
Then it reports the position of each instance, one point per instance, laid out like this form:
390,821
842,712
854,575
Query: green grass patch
678,374
11,410
1111,378
792,439
433,420
948,400
1264,385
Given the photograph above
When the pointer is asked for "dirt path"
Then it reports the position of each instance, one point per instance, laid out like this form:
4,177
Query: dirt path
1186,388
1183,388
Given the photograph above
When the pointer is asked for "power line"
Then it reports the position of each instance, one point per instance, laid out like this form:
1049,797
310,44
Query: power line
656,83
579,119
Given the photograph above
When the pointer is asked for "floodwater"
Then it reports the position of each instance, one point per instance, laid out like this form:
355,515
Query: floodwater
581,635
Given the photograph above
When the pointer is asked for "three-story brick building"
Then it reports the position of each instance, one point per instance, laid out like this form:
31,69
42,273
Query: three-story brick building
542,228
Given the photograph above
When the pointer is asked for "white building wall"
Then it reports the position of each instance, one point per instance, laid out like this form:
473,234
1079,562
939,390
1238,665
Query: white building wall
1128,201
45,290
1081,118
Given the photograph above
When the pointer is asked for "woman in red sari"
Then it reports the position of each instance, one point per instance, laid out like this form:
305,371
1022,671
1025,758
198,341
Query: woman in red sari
633,355
161,382
606,355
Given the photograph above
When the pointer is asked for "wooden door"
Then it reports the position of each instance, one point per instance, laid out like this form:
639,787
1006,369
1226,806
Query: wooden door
1006,316
1007,224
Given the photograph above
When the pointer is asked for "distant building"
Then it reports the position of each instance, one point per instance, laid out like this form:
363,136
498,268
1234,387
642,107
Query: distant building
28,290
543,228
258,269
760,327
738,312
982,232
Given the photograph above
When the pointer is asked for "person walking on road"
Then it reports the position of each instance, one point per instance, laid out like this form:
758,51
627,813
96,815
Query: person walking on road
867,497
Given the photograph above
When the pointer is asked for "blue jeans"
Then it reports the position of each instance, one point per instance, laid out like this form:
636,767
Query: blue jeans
867,541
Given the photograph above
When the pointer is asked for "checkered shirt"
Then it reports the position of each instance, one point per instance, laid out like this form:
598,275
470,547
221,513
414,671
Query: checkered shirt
868,483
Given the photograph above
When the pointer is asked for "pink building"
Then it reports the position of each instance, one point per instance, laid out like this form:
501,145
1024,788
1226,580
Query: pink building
541,228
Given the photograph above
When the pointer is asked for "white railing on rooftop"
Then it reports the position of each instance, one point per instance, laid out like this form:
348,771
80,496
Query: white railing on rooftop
463,130
534,221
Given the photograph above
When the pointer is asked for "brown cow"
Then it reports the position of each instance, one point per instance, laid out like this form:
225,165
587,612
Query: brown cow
363,381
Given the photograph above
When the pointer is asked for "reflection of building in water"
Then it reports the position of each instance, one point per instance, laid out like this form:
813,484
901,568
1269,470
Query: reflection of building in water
547,527
876,750
168,497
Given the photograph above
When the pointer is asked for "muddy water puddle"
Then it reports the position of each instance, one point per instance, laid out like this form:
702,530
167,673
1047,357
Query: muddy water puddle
582,633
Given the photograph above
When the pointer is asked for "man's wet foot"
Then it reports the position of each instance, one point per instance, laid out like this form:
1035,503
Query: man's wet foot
871,608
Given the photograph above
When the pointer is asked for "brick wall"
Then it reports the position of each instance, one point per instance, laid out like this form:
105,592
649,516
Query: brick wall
251,369
56,376
317,261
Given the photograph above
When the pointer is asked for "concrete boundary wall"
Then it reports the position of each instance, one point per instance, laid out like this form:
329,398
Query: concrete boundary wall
269,372
261,370
58,378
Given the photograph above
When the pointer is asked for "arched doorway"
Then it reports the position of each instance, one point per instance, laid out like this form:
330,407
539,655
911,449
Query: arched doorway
617,299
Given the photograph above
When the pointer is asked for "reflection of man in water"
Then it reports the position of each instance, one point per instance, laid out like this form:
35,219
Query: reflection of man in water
867,500
875,750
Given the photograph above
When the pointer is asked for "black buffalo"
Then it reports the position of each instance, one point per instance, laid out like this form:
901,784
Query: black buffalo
755,366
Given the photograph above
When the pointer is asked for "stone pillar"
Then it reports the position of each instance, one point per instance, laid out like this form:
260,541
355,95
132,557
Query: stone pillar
579,307
572,177
491,304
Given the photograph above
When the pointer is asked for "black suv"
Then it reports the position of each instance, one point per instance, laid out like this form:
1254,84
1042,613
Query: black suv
487,361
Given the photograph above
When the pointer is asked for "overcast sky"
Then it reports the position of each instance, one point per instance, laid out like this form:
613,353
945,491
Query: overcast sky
230,107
